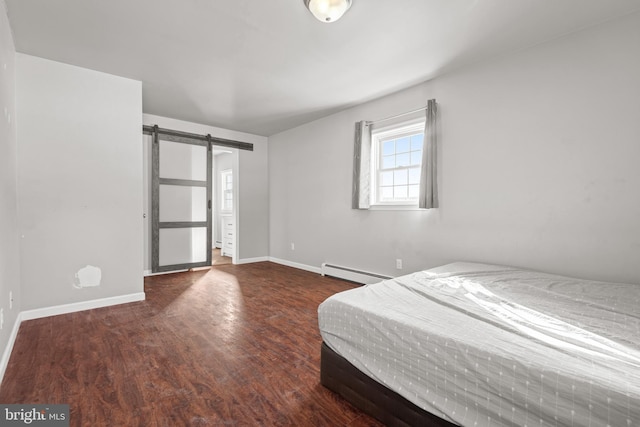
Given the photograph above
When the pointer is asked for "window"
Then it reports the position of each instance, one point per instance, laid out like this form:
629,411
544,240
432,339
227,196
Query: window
226,202
396,163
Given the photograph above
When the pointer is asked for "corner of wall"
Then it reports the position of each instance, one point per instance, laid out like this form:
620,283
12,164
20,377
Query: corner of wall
9,235
6,354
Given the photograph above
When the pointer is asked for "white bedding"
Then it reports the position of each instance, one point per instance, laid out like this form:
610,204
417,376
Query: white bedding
483,345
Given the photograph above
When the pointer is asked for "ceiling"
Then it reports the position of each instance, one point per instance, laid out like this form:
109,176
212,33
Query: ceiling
264,66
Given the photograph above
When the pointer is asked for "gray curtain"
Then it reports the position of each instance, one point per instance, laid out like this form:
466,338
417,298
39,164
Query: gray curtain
361,166
428,198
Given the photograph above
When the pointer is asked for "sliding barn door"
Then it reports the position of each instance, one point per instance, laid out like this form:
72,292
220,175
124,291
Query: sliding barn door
181,203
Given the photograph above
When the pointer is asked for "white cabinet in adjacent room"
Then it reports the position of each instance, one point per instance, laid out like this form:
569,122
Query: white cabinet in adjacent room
228,235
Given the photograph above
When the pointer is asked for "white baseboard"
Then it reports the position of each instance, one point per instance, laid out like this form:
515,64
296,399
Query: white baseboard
295,265
81,306
252,260
9,348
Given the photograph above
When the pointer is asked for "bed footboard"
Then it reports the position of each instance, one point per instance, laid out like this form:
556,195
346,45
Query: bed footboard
340,376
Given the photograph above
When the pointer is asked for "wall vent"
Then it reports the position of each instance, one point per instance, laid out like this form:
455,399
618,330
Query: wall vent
351,274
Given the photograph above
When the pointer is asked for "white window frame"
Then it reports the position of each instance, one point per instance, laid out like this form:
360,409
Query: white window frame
378,136
224,191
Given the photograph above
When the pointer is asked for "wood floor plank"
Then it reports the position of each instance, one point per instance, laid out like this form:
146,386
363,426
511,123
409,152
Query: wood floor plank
231,346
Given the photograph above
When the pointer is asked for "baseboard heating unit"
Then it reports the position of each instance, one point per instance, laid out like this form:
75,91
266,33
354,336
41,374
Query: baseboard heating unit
351,274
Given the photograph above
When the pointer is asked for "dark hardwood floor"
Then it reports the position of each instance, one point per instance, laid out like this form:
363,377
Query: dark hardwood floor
231,346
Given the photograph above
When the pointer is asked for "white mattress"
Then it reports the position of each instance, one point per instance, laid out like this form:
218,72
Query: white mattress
483,345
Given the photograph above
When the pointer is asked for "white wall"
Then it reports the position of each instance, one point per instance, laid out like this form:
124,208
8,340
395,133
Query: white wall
79,183
251,181
539,154
9,249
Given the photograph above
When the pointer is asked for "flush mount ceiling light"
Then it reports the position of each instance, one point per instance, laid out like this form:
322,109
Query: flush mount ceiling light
328,10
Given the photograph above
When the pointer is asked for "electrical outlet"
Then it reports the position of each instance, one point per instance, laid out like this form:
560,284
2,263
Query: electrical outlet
398,264
293,247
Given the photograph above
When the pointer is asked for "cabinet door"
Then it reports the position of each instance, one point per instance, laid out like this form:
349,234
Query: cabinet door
228,235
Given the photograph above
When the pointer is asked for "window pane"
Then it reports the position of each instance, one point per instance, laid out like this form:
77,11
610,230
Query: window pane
416,158
402,160
400,177
388,162
182,203
182,161
386,178
397,167
400,192
416,142
402,145
182,245
386,193
227,191
388,148
414,191
414,176
227,203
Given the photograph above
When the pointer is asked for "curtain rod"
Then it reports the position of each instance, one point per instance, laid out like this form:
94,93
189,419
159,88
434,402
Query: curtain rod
215,141
370,122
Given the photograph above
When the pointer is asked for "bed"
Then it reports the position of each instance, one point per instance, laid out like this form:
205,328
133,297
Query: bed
483,345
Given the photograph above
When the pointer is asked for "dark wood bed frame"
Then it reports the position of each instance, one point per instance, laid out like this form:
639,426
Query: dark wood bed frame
340,376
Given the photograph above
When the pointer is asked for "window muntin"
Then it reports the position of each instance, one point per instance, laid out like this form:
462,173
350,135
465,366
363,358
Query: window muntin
396,164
